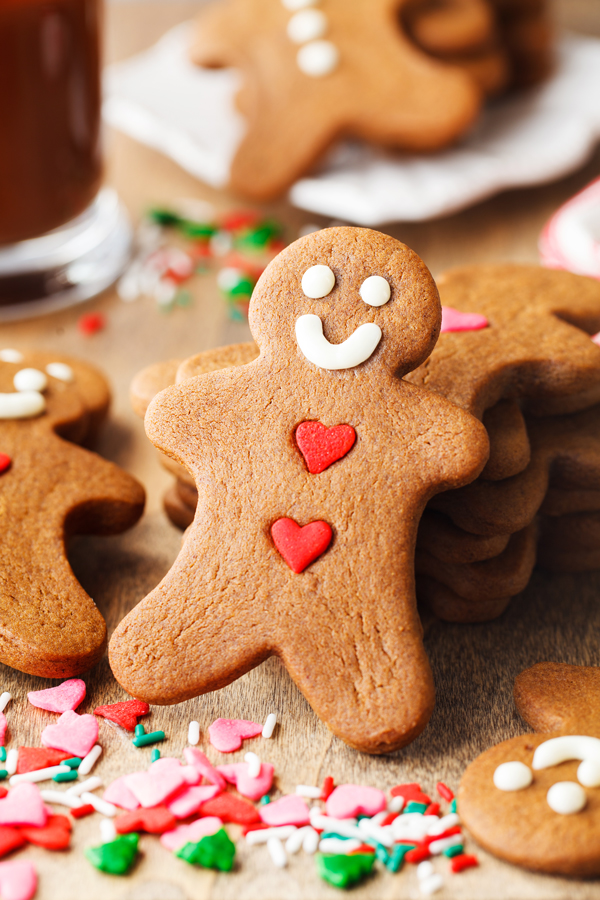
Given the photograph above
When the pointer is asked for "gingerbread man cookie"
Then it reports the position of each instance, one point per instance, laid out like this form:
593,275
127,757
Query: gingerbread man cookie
314,567
314,72
50,490
534,800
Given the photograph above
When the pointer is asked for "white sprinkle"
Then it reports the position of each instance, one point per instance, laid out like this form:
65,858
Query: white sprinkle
5,699
269,726
108,832
221,243
424,870
194,733
164,291
339,846
277,852
30,380
443,824
413,826
102,806
38,775
307,790
396,804
437,847
379,817
11,356
89,761
381,835
12,759
128,286
254,765
432,884
262,835
62,798
90,784
294,842
311,841
61,371
345,827
229,277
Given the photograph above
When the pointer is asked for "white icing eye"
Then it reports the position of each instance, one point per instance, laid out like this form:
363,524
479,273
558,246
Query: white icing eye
375,291
298,4
566,797
60,370
318,58
12,356
30,380
317,282
307,25
512,776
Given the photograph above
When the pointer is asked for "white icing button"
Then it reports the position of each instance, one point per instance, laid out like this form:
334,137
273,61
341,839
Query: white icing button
12,356
352,352
307,25
566,797
375,290
30,380
318,58
588,773
22,405
317,282
61,371
568,746
512,776
298,4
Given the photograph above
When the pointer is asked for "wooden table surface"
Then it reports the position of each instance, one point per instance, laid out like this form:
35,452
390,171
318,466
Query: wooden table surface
556,618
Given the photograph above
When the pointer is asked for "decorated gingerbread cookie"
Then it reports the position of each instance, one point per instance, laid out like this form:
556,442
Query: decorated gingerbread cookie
313,72
313,465
534,800
50,489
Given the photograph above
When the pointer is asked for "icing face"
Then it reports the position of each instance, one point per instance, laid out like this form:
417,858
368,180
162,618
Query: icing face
28,400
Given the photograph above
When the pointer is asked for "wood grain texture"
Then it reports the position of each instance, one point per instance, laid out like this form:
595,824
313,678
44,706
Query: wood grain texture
556,618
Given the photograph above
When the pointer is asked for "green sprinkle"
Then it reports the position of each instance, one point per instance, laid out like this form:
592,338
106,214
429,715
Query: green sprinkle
155,754
396,857
243,288
139,730
413,806
65,776
257,238
183,298
116,857
72,763
164,217
215,851
453,806
334,834
2,754
344,871
197,230
454,850
3,774
382,854
264,800
145,740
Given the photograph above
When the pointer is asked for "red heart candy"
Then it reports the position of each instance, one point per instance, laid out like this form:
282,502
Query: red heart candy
32,758
5,462
54,835
301,546
229,808
10,839
321,446
124,714
154,821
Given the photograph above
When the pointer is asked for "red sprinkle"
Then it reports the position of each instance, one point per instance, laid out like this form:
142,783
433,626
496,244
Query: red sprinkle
389,819
125,713
463,861
255,826
3,792
238,219
229,808
418,855
444,791
364,848
5,462
54,835
456,829
90,323
411,792
156,820
33,758
432,810
79,812
327,789
10,839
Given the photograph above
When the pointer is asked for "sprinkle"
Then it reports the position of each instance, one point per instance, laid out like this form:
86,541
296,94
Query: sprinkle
5,462
417,855
307,790
67,695
254,765
101,806
432,884
339,826
139,730
90,760
264,800
12,761
73,733
413,806
189,834
463,862
295,839
338,845
193,733
10,839
344,871
444,791
18,880
348,800
23,806
269,726
2,754
90,784
277,852
200,761
31,758
71,775
410,792
154,821
455,850
443,824
397,856
396,804
3,774
437,847
424,870
227,735
39,775
108,832
262,835
327,787
215,851
6,697
79,812
90,323
74,762
116,857
155,754
310,841
146,740
62,798
230,808
453,806
288,810
156,785
125,713
254,788
432,810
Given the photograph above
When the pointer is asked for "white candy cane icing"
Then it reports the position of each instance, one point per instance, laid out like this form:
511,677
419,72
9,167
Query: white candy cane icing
512,776
317,282
61,371
352,352
30,380
566,797
561,749
21,405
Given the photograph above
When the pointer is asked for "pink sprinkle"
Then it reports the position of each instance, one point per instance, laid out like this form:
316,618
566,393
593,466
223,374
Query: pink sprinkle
288,810
455,320
23,805
254,788
596,338
189,801
199,761
18,880
72,733
3,727
350,800
154,787
67,695
191,774
190,834
119,794
227,734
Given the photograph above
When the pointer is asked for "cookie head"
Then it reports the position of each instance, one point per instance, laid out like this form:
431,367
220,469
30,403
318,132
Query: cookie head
346,300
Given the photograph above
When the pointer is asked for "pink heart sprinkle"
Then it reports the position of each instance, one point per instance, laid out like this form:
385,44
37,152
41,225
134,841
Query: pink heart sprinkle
350,800
455,320
119,794
189,801
254,788
191,775
288,810
3,727
190,834
154,787
18,880
199,761
72,733
67,695
227,734
23,805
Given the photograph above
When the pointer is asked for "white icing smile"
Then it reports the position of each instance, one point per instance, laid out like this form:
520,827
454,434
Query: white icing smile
352,352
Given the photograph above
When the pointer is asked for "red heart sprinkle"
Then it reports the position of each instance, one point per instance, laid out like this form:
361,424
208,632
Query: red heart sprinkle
301,546
321,446
32,758
155,821
54,835
5,462
10,839
125,713
229,808
411,792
